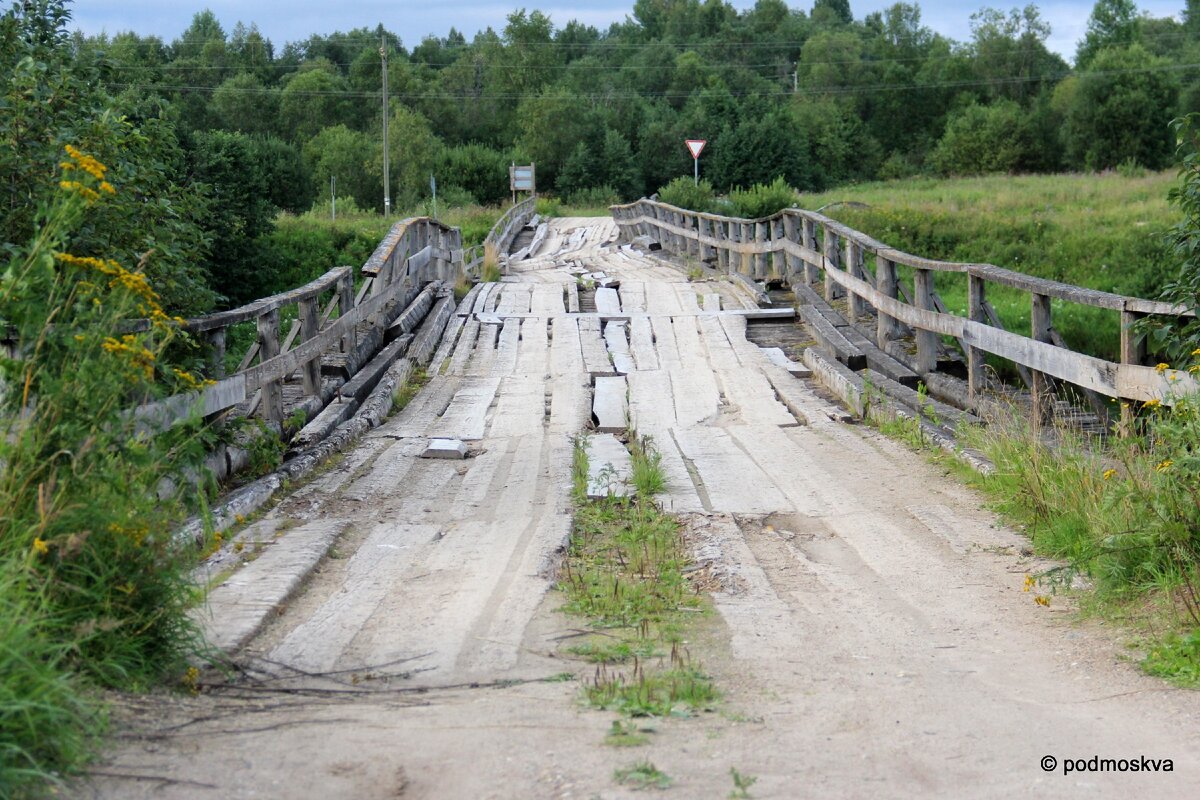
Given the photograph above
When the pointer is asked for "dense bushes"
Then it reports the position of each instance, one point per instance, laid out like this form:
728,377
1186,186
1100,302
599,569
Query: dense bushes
762,200
685,193
983,139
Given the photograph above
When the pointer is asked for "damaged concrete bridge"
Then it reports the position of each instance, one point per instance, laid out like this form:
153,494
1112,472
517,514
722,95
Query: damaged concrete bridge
391,619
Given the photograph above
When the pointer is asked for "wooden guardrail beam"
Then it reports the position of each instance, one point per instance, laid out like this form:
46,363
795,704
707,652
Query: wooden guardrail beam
741,246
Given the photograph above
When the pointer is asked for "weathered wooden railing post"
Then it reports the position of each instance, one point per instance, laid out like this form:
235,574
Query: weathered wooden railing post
831,246
1133,351
926,340
1040,324
886,326
792,234
345,290
310,327
976,311
808,230
696,248
761,241
779,259
854,266
216,341
268,348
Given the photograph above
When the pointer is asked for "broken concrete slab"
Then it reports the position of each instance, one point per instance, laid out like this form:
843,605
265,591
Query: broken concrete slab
609,467
610,405
445,448
489,319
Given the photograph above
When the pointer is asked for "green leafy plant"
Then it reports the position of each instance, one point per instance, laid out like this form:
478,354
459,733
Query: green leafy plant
741,784
86,553
642,775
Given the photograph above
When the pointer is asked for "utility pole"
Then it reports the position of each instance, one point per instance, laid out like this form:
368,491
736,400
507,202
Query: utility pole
796,79
333,197
387,192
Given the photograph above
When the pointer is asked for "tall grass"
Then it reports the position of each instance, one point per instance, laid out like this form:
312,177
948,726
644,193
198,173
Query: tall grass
1125,514
92,589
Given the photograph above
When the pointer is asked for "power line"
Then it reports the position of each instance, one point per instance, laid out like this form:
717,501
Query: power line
834,89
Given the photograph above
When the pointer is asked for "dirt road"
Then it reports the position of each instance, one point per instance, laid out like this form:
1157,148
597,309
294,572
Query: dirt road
873,636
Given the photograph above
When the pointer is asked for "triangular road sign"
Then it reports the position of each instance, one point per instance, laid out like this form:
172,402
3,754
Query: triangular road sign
695,146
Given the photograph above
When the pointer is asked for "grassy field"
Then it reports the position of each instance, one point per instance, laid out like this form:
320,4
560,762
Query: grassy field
1104,232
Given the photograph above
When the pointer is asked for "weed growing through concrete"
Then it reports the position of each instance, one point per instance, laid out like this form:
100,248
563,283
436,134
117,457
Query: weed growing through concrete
642,775
741,784
624,571
625,734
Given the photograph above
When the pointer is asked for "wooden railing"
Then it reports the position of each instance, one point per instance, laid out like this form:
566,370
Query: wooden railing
803,245
500,237
329,317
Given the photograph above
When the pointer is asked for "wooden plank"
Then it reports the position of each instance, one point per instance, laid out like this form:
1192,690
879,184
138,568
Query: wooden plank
832,339
507,346
609,467
610,408
466,416
607,301
572,298
641,346
618,347
595,354
633,296
880,361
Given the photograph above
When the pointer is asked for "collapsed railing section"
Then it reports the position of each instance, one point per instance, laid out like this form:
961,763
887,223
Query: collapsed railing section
330,321
500,237
795,244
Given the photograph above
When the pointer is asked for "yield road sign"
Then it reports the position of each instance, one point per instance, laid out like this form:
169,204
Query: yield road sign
694,146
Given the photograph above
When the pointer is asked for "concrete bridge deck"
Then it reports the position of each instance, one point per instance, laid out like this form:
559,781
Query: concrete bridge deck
873,637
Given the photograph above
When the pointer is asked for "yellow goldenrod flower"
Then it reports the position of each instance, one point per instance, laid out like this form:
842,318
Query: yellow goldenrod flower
1164,465
1109,473
1196,352
1160,367
1042,600
1030,582
40,547
1155,403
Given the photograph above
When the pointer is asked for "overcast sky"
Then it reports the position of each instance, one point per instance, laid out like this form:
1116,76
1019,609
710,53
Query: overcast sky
291,20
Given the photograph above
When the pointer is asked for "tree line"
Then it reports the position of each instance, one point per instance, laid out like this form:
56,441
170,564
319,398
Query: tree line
220,129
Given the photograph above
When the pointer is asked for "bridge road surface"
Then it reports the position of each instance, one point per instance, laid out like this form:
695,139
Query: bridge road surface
873,638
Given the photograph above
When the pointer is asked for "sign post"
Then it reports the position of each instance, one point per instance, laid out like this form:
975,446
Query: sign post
522,179
694,147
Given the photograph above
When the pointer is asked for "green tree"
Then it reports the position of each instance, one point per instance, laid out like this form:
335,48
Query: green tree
1009,53
413,151
477,169
228,166
311,100
243,104
349,157
1120,110
832,12
1113,23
